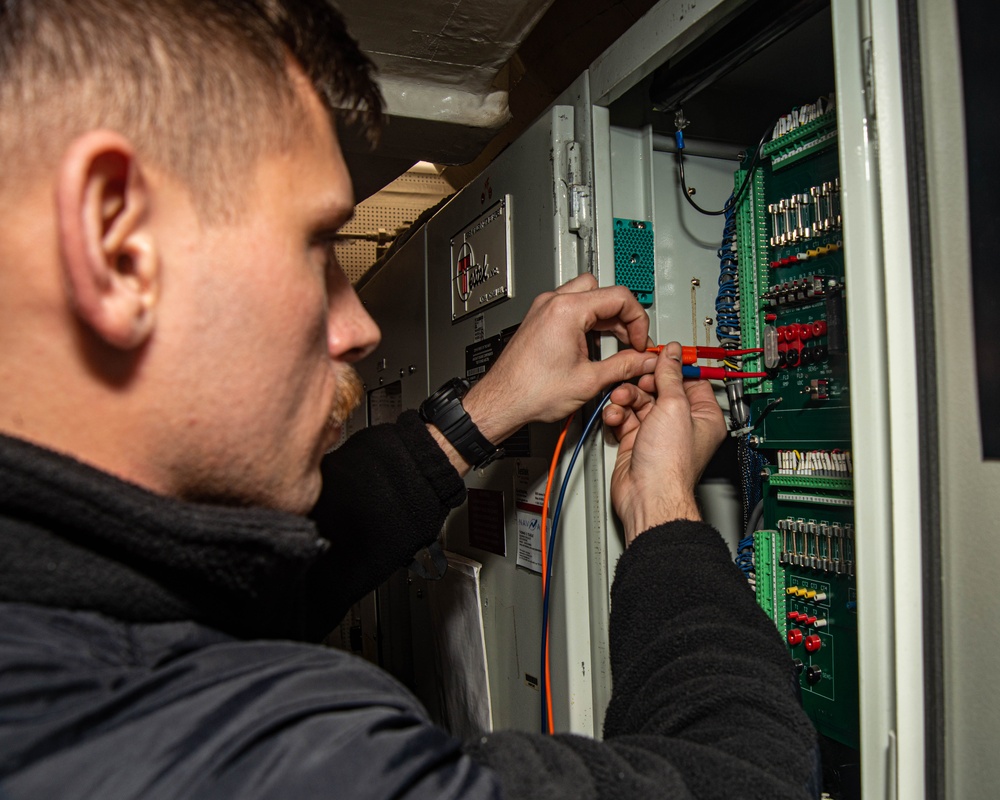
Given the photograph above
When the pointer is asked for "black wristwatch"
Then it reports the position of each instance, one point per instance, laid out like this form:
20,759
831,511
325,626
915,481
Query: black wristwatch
444,410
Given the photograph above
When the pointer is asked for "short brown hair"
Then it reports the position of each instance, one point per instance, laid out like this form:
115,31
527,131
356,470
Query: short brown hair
201,87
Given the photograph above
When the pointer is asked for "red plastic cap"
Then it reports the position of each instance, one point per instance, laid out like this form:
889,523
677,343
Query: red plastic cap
795,637
813,642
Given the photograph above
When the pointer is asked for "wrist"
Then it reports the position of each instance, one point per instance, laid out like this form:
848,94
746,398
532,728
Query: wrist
489,413
455,430
643,518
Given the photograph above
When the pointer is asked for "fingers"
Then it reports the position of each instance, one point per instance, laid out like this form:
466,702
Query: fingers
581,283
615,309
629,405
701,396
667,376
611,309
630,396
648,382
622,366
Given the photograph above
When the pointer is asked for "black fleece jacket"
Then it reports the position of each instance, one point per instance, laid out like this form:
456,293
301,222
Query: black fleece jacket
145,651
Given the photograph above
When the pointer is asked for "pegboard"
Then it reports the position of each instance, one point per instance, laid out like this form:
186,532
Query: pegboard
391,210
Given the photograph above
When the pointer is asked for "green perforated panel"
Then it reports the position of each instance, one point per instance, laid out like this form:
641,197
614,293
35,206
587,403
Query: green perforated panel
634,258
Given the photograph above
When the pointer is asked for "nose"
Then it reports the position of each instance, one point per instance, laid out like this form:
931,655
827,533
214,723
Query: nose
351,332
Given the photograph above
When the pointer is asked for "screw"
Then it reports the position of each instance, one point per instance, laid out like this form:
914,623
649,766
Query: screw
695,282
709,321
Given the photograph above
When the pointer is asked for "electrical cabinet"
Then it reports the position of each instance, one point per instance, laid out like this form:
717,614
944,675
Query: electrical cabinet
794,127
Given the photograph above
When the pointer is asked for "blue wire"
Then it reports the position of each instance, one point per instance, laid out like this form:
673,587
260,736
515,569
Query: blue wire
552,542
727,328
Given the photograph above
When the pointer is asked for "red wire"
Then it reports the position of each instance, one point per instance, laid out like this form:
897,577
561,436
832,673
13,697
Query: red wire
545,570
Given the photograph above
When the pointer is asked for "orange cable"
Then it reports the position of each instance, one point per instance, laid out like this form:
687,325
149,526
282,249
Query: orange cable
545,572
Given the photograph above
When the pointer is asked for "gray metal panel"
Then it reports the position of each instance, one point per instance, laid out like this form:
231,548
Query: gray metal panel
524,172
544,253
644,185
970,502
395,298
871,431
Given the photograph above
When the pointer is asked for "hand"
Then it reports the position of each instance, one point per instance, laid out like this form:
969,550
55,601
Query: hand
545,372
667,429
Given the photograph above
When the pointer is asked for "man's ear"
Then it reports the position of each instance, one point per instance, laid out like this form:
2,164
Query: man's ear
108,254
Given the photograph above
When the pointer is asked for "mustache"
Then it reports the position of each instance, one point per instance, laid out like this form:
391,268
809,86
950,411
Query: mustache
347,397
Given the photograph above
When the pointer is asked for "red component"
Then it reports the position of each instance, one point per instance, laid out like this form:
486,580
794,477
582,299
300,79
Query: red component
717,373
775,264
793,331
807,619
819,327
813,642
689,354
781,331
770,317
794,615
818,389
790,260
806,333
795,637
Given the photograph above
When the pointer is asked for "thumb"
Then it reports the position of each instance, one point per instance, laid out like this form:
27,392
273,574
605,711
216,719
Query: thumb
668,376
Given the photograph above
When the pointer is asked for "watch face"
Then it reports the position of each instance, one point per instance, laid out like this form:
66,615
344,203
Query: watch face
441,400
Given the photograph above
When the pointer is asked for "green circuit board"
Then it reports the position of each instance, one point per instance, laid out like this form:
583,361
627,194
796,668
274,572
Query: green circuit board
792,304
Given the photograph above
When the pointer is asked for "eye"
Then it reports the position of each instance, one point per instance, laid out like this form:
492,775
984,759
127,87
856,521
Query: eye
334,275
327,258
330,262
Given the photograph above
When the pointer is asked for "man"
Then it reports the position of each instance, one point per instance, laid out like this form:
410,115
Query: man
176,344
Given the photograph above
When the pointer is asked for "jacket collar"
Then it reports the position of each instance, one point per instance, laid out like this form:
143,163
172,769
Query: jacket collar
76,537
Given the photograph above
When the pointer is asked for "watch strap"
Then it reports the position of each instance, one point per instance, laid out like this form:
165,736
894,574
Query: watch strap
445,411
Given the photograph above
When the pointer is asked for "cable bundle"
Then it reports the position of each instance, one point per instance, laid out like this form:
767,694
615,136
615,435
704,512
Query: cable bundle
727,301
550,546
